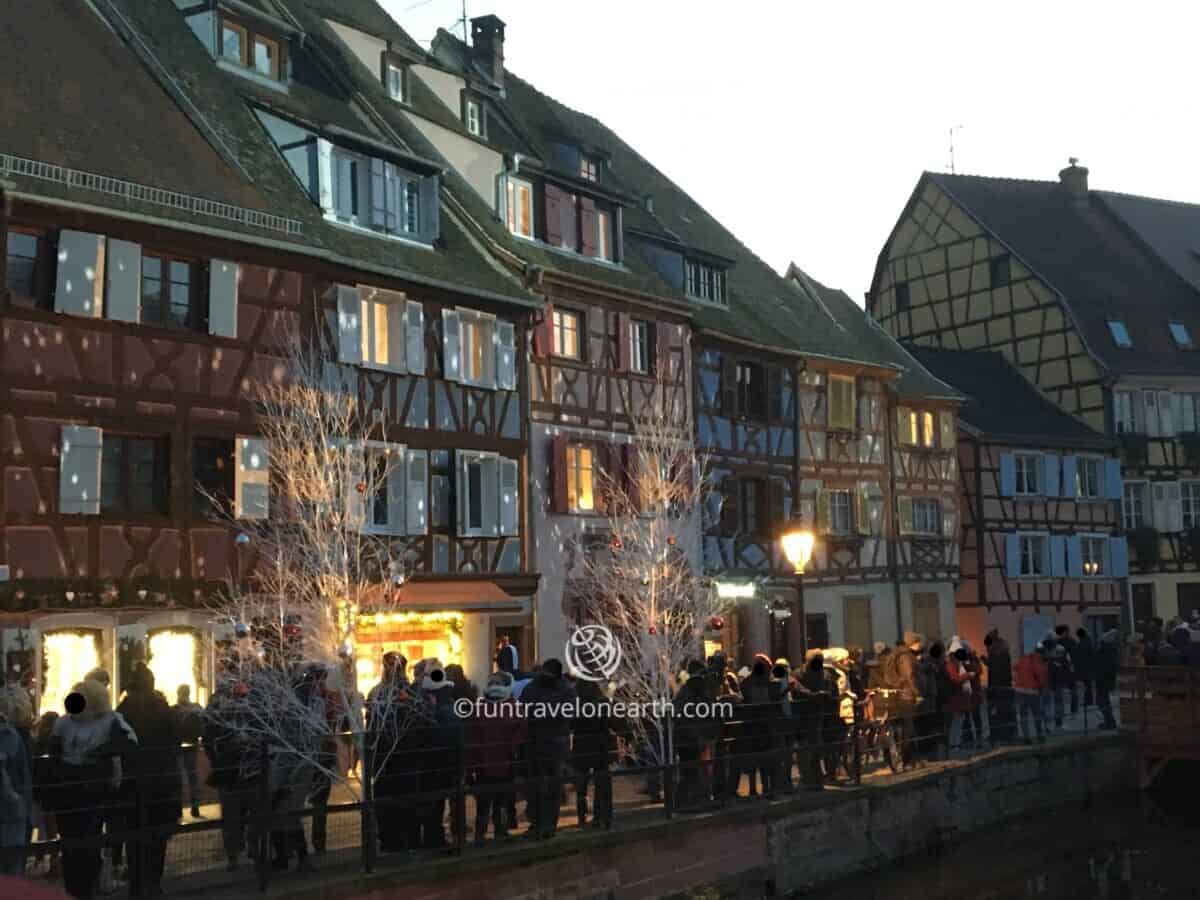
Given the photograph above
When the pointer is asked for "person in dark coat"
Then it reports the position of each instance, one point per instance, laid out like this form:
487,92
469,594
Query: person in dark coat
1000,687
234,768
816,691
757,713
440,758
1107,664
547,697
591,754
396,727
189,723
496,735
1083,661
154,793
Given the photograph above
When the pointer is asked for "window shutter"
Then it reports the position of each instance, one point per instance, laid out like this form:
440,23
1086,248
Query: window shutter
569,221
1050,468
506,356
774,393
1008,475
80,451
416,493
1070,477
1074,556
903,417
510,497
1166,424
1180,422
558,474
624,342
543,332
947,426
904,507
79,286
1118,555
350,324
631,472
380,187
344,194
729,505
397,328
430,209
1174,506
1112,479
774,501
1058,555
1012,556
354,489
554,200
1150,411
728,385
949,520
451,346
862,513
461,483
491,496
587,226
123,273
394,201
660,362
252,479
822,507
223,277
414,337
325,175
396,485
1161,515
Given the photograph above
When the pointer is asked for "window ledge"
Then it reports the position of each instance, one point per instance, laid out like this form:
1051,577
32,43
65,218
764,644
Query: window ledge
418,243
574,254
715,304
250,75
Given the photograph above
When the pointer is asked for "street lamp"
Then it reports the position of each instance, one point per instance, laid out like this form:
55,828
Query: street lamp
797,541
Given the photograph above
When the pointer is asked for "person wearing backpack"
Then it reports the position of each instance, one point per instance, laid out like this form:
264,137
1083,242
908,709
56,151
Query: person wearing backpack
900,673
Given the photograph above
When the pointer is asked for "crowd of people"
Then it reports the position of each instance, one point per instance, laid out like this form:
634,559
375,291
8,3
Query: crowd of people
98,774
1172,643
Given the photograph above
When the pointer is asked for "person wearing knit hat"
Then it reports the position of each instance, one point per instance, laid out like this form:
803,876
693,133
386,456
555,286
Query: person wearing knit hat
496,736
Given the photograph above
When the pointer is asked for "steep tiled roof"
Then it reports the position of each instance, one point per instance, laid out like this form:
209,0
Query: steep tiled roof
1001,403
1090,257
915,382
1170,228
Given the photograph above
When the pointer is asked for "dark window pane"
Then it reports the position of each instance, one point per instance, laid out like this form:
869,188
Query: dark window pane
180,304
474,495
22,262
111,464
212,475
379,495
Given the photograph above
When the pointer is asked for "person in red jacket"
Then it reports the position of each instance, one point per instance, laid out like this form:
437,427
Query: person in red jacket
1031,679
958,703
496,736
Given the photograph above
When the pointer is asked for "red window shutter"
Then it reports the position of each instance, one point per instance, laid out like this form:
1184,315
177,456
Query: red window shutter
623,341
554,201
543,337
567,224
587,226
558,474
629,467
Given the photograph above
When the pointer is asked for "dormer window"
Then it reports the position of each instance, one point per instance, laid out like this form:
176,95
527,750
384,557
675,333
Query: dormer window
1120,334
376,194
473,116
704,282
396,82
1181,334
589,168
517,197
250,50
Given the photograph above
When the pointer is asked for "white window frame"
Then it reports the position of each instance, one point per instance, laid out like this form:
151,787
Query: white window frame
604,235
558,333
396,77
369,301
1124,413
1093,550
362,178
575,470
841,504
1025,464
589,168
1139,515
1027,539
466,459
395,469
932,507
1189,498
1120,334
641,335
704,282
473,116
1083,465
1187,418
514,188
475,326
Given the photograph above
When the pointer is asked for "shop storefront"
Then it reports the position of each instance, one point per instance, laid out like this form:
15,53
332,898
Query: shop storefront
415,635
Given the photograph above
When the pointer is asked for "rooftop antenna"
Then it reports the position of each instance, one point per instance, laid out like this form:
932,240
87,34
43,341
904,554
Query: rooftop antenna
464,21
953,129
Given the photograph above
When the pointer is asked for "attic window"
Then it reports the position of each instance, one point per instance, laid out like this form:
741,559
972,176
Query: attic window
251,51
1000,269
589,169
396,82
473,117
1181,334
704,282
902,296
1120,334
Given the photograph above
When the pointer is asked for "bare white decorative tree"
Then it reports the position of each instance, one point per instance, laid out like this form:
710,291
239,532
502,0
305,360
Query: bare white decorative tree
307,491
644,579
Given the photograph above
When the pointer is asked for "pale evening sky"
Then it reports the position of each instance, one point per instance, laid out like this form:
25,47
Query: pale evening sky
803,127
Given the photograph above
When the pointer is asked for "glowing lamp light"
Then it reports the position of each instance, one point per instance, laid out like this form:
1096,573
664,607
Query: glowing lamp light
735,590
797,542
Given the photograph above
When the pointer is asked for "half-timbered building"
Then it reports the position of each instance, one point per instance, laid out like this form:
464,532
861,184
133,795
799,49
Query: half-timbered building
1092,296
1041,542
162,242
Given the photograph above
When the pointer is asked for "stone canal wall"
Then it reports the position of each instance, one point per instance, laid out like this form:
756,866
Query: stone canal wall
784,846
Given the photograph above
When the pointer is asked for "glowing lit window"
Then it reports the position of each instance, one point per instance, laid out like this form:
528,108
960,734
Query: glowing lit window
566,333
580,475
478,348
66,657
518,206
173,655
381,314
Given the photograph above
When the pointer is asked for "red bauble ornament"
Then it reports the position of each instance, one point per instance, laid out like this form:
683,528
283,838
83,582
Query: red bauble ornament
716,623
616,544
653,630
671,540
361,487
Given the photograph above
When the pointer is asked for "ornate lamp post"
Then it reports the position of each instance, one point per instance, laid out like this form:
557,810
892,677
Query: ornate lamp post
797,541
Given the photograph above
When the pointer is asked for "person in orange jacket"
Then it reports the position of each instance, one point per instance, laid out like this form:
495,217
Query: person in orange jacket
1031,678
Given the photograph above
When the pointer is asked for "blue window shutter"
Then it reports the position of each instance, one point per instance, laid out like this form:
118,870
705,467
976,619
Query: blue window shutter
344,191
1050,470
430,219
1058,555
1112,479
379,192
1012,555
451,345
1074,556
1069,467
1008,475
1118,552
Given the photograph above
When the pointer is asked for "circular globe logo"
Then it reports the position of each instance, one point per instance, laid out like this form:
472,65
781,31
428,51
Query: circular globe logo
593,653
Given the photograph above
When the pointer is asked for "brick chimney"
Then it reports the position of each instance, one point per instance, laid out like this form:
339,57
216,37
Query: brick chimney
487,46
1074,180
